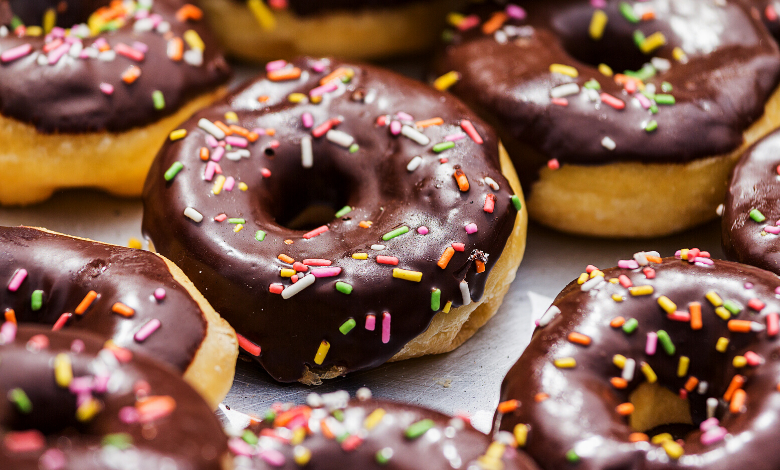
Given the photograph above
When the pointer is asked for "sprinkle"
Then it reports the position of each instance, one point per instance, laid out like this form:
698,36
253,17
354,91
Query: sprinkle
378,247
389,260
461,179
322,351
490,203
414,164
618,382
518,205
384,455
435,300
565,363
628,13
641,290
370,322
673,449
259,235
211,128
736,383
597,24
415,135
173,171
471,131
605,70
36,300
347,326
624,409
651,126
419,428
340,138
652,42
395,233
122,309
360,256
386,327
548,316
666,342
131,74
296,288
193,214
21,400
564,70
667,304
465,292
612,101
316,232
756,215
414,276
326,272
10,317
630,325
696,320
714,298
471,228
772,324
572,457
146,331
61,322
565,90
608,143
442,146
521,434
617,322
648,372
664,99
107,89
744,326
650,345
721,344
16,280
16,53
508,406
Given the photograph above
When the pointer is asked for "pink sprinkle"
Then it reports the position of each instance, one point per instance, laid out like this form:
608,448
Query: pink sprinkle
229,183
713,435
239,447
649,273
259,131
471,131
82,398
317,262
370,322
459,246
560,102
678,254
753,359
772,324
8,332
107,88
748,285
217,154
625,281
77,346
681,316
705,261
422,230
129,415
598,3
17,279
211,141
308,120
321,90
590,268
275,65
468,22
146,331
652,343
276,288
52,459
265,172
300,267
628,264
274,144
395,127
159,293
643,100
55,55
454,137
391,260
101,383
272,457
24,441
490,203
386,327
129,52
471,228
319,66
553,164
140,46
772,229
236,141
402,116
708,424
515,12
81,385
16,53
211,168
220,218
381,121
326,272
317,231
777,290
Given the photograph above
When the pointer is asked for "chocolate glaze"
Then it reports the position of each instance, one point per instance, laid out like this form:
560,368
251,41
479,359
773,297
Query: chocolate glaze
66,97
732,68
190,437
580,412
754,185
234,271
319,7
449,444
768,12
66,269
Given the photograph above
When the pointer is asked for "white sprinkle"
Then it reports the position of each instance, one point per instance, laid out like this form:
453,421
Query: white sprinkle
712,406
340,138
650,88
75,49
302,283
565,90
641,258
193,57
42,59
378,247
107,56
370,96
237,155
414,164
91,52
628,370
653,253
3,31
703,387
314,400
492,183
608,143
415,135
588,285
757,327
501,37
307,154
363,394
163,27
143,25
464,291
661,64
193,214
720,210
548,316
212,129
593,95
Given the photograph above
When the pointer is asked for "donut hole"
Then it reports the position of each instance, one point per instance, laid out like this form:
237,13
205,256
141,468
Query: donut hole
657,410
317,196
68,13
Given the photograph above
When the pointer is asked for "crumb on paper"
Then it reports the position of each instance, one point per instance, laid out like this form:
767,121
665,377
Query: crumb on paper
443,382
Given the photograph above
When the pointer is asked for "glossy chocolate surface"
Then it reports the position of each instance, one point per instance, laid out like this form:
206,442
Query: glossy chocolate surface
732,66
580,414
190,437
235,271
66,269
66,96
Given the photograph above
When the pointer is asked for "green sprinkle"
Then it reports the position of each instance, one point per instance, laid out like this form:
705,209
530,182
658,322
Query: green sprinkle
236,221
343,211
259,235
630,326
36,300
249,437
419,428
16,22
664,99
354,148
120,440
343,287
442,146
572,456
384,456
666,342
347,326
436,300
269,415
20,399
639,37
666,87
732,307
756,215
651,126
159,100
646,72
628,12
228,148
339,415
395,233
654,108
592,84
649,95
516,202
173,171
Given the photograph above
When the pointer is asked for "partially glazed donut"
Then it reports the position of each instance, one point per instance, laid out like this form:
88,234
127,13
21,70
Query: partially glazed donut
89,89
625,117
658,364
73,403
336,433
137,299
347,216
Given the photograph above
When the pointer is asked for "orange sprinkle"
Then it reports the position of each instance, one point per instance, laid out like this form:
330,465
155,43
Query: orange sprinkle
284,418
86,302
189,12
154,408
480,266
691,383
286,259
252,136
284,74
653,259
619,382
204,153
446,257
248,346
617,322
695,309
288,242
737,401
326,430
625,409
365,224
10,315
175,49
638,437
238,130
495,22
579,338
739,326
131,74
463,181
508,406
122,309
736,383
648,15
540,397
224,128
270,132
437,121
263,99
338,73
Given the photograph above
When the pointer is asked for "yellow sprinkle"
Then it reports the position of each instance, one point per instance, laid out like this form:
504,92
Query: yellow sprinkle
605,70
682,366
565,363
242,186
287,272
667,304
218,184
684,253
299,435
238,228
521,434
673,449
33,31
134,243
661,438
496,450
488,463
231,116
619,360
564,70
88,410
722,344
302,455
316,99
178,134
263,14
63,370
597,24
723,313
595,273
296,97
583,277
447,80
714,298
49,20
614,280
617,297
640,290
455,19
193,40
360,256
414,276
322,351
447,307
649,373
374,418
679,55
739,361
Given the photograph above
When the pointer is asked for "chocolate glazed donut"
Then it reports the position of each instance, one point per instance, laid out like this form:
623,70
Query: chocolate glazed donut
697,343
73,404
422,215
137,299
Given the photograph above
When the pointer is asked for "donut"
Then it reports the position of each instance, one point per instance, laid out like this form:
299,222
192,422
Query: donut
360,208
260,30
655,364
624,119
75,403
333,432
768,12
90,105
137,299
